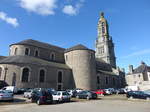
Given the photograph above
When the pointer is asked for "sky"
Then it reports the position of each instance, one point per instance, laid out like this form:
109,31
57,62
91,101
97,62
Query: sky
66,23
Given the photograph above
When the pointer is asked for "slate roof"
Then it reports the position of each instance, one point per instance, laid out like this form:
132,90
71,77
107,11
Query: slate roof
2,57
78,47
38,44
142,68
31,60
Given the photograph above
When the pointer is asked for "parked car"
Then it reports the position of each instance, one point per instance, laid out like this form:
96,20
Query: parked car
21,90
72,92
78,90
99,92
131,88
112,90
61,96
42,96
122,91
86,95
6,95
28,93
10,88
107,92
138,94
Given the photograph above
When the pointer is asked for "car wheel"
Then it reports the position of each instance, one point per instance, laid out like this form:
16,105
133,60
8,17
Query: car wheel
38,102
88,98
55,101
59,100
131,97
148,98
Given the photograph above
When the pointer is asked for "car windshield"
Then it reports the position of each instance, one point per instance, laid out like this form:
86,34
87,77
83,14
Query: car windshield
29,90
58,93
65,93
139,92
54,93
84,92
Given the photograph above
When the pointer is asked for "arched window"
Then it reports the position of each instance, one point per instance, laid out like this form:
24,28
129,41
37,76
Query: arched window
98,80
14,79
25,75
27,51
0,72
36,53
42,76
59,77
106,80
114,82
52,56
16,49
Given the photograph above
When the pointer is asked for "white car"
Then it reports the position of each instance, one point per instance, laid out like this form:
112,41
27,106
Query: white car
10,88
107,92
61,96
6,95
28,93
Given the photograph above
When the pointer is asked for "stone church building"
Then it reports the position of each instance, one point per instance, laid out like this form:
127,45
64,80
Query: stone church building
33,64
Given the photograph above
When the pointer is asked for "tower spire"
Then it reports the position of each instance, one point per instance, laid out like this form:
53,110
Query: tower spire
104,44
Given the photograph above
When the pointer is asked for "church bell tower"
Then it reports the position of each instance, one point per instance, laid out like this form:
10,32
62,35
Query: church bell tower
104,43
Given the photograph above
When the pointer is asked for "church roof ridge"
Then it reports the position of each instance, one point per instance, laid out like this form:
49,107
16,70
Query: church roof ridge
37,43
31,60
78,47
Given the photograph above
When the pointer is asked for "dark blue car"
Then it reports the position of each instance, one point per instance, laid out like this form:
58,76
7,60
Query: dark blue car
138,94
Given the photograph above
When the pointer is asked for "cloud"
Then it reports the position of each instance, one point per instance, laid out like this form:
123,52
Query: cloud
9,20
138,53
73,10
70,10
42,7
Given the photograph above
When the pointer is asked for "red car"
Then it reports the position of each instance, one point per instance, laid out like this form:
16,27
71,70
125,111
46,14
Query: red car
99,92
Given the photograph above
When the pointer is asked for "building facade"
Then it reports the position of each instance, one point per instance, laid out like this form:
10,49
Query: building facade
33,64
139,76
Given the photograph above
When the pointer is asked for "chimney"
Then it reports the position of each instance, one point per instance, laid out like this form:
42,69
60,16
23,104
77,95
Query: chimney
123,70
130,68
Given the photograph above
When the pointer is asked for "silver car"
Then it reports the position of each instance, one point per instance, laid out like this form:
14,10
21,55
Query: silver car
61,96
28,93
6,95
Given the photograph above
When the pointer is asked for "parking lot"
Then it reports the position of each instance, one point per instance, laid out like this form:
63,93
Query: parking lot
113,103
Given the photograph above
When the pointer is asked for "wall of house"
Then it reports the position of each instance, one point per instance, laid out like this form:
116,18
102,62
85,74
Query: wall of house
134,79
